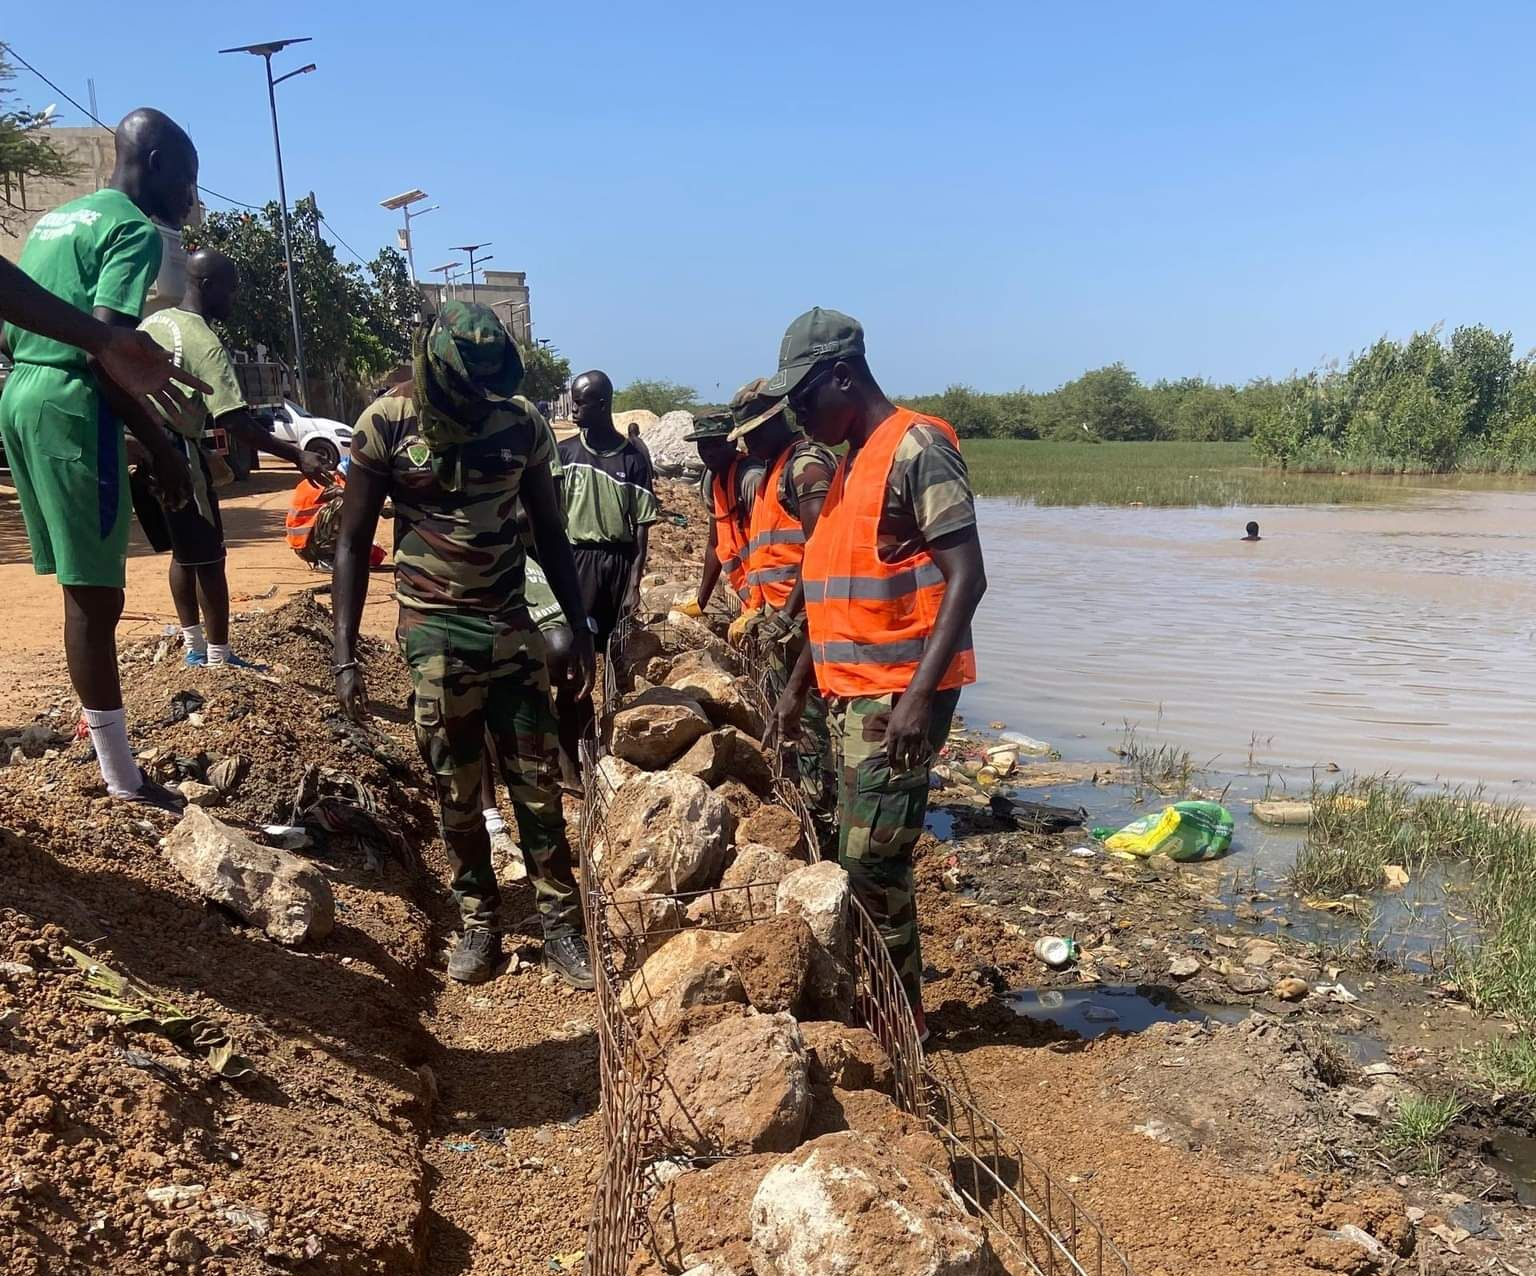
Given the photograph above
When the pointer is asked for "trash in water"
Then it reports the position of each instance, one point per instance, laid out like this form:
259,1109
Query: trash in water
1344,904
1026,744
1055,951
1394,877
1185,831
1336,992
1037,817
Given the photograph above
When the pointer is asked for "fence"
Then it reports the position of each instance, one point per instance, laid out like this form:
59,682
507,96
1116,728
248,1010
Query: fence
1034,1225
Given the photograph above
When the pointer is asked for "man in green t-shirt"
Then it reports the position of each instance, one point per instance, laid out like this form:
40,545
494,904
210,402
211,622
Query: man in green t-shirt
462,455
197,530
63,425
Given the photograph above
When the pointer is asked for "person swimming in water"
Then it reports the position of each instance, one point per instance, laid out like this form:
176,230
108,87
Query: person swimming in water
1253,532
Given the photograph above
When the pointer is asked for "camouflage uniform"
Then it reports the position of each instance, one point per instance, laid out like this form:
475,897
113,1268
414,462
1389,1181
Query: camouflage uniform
476,660
814,761
882,816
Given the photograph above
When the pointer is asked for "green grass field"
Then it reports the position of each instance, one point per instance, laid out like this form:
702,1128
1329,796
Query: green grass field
1169,474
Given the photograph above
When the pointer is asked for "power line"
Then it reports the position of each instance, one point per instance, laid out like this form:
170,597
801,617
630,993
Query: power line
206,190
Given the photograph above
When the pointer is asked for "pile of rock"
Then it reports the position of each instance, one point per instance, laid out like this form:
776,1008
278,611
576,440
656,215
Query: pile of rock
786,1152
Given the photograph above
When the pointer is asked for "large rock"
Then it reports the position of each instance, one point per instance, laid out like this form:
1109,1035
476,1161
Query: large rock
728,754
719,657
613,773
662,833
720,695
672,455
846,1058
693,968
656,726
820,893
871,1113
748,890
704,1217
640,646
844,1205
286,896
775,826
688,633
640,922
773,959
739,1086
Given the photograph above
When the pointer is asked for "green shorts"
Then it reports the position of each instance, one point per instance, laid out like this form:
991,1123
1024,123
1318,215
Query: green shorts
65,450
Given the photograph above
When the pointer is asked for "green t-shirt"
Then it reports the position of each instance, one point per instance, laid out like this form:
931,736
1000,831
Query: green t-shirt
98,250
196,347
608,496
455,550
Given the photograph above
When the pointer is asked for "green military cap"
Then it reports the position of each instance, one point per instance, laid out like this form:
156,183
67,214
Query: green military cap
750,407
814,338
714,426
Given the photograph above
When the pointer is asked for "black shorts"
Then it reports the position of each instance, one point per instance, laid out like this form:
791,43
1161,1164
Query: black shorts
602,569
197,528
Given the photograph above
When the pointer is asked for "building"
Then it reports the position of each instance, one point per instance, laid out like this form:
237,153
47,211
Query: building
504,291
91,150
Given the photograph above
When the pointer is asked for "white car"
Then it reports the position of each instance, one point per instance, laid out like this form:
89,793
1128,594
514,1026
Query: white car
329,440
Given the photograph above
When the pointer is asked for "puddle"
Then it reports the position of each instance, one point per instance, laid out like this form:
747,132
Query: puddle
1514,1156
940,823
1095,1009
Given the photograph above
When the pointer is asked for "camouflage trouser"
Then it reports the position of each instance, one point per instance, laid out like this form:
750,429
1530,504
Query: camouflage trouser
813,751
473,676
879,817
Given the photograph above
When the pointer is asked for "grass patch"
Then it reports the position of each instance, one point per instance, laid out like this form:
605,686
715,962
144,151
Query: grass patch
1162,474
1506,1065
1421,1122
1359,828
1163,767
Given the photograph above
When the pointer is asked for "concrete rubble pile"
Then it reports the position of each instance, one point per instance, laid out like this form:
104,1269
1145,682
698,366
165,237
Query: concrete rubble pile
786,1153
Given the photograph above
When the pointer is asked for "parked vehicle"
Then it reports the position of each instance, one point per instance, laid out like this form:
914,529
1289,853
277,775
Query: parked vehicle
327,439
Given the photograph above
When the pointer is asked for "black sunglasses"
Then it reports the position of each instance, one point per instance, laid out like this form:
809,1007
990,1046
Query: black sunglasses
800,395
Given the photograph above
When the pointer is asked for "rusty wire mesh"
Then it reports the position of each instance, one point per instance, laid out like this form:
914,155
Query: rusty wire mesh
1036,1227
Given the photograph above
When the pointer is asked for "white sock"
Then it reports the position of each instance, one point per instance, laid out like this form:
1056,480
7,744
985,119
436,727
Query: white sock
109,733
218,653
493,821
194,638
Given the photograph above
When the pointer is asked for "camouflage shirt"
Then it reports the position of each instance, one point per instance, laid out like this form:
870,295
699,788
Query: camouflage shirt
927,494
455,550
808,474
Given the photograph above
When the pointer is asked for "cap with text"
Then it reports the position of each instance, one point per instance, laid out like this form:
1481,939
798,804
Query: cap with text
816,337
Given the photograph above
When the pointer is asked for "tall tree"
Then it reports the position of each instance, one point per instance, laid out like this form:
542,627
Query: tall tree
26,151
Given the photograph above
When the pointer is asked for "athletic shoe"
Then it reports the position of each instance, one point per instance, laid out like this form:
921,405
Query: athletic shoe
234,662
476,957
196,660
156,795
570,958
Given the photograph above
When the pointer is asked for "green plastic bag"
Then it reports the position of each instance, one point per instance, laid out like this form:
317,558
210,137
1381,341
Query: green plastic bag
1185,831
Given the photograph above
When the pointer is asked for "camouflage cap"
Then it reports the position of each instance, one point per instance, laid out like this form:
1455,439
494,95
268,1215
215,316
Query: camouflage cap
468,342
714,426
751,407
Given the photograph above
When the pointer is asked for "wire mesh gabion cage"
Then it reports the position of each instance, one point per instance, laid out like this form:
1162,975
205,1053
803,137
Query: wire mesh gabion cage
1033,1224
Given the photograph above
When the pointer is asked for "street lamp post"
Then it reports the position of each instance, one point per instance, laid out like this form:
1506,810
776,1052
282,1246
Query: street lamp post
265,52
446,270
403,202
472,249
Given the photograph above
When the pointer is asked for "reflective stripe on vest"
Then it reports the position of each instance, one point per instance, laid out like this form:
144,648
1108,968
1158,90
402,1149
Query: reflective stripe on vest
730,528
775,541
870,621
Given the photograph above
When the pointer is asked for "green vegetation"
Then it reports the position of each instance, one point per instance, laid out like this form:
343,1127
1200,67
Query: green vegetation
1424,405
545,372
1359,828
659,397
1164,474
1420,1123
1506,1065
26,151
1164,768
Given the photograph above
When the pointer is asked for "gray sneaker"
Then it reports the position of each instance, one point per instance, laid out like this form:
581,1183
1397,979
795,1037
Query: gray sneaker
476,957
569,958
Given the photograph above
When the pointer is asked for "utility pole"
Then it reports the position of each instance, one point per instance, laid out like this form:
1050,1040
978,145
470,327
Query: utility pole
403,202
472,249
265,52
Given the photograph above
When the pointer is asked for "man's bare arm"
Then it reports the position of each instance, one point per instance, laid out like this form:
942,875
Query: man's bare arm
360,505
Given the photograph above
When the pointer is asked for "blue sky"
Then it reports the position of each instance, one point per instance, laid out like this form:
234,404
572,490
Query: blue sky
1005,194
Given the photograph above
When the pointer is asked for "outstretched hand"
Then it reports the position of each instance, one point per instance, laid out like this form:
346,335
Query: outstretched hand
142,366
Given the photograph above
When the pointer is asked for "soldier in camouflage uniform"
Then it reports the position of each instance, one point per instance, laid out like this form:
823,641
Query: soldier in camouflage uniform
459,452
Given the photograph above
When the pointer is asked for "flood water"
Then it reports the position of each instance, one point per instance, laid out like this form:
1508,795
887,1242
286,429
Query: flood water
1390,638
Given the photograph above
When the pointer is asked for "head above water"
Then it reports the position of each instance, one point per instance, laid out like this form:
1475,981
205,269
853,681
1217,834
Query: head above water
156,165
1253,532
592,402
213,280
824,378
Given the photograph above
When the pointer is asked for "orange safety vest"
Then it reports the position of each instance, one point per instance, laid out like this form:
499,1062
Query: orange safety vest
775,541
302,508
869,621
730,528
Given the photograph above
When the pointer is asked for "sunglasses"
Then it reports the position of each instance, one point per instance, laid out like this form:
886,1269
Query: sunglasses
801,394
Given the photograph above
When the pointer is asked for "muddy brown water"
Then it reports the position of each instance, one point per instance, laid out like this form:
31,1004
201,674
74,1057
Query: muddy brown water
1391,638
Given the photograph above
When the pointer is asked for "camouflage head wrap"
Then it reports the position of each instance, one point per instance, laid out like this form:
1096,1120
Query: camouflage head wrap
464,366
